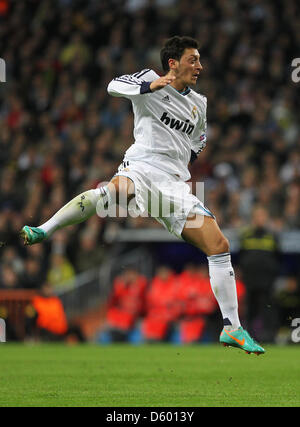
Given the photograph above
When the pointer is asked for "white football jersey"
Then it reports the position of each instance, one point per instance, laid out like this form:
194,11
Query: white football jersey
167,124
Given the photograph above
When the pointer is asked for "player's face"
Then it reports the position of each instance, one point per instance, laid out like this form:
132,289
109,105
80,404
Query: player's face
188,68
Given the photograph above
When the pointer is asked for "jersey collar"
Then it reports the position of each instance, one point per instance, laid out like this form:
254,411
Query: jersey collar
186,91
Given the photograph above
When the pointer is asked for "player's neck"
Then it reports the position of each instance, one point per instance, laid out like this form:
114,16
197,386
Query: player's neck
179,86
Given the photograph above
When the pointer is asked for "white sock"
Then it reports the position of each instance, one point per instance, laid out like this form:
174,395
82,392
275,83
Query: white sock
79,209
223,284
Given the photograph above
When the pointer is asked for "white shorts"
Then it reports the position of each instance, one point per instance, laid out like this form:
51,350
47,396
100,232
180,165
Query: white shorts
163,196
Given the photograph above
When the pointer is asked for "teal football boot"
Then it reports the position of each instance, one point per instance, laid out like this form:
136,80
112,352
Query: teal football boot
240,339
32,235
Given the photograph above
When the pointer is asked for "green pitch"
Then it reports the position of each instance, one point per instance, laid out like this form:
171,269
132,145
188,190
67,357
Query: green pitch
153,375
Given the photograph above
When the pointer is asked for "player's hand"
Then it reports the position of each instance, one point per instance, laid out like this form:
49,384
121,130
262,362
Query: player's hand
162,82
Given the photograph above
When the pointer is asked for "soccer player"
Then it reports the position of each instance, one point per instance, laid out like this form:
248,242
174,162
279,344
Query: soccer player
169,130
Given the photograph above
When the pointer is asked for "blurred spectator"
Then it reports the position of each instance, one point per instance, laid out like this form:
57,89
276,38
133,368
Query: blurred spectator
126,304
197,302
46,319
9,278
11,257
39,253
90,253
61,271
33,275
162,308
259,263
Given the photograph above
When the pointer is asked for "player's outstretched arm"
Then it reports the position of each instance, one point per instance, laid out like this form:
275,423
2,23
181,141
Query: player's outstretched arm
133,85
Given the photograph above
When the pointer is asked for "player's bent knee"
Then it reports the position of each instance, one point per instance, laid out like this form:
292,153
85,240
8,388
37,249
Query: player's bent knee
221,246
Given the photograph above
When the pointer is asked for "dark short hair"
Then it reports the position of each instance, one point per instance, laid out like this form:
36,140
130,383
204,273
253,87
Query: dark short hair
174,48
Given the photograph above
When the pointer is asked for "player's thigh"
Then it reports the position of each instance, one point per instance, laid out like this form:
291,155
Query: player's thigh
122,187
204,233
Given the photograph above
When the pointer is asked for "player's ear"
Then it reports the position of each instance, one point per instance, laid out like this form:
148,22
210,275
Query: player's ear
172,63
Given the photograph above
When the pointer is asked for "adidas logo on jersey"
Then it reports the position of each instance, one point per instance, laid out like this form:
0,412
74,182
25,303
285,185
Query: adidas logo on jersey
166,98
176,124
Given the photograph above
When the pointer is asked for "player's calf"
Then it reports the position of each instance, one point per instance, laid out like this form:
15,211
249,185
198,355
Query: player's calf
79,209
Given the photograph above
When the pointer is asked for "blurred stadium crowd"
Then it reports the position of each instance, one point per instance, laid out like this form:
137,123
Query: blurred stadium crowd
60,132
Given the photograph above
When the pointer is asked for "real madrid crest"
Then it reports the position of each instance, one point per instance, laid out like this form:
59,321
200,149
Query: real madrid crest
194,112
